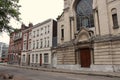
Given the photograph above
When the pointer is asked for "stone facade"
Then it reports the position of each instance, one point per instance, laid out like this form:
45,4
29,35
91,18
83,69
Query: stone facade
106,46
93,48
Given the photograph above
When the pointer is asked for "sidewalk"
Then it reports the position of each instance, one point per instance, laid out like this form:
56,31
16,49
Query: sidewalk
94,73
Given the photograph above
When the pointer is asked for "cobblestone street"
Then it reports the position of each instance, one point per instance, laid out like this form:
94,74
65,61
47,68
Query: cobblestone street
24,74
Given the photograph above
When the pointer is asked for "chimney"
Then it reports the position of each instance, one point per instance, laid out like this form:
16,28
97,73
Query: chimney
30,25
23,26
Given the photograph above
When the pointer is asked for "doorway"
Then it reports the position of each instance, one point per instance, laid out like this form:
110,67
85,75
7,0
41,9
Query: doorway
40,59
28,60
85,57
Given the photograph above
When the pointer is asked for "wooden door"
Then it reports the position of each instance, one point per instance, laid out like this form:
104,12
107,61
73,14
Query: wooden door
40,59
28,59
85,57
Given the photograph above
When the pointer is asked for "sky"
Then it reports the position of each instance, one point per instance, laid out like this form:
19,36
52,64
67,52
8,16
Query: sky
35,11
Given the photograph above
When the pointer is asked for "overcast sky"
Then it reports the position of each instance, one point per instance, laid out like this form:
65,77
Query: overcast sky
36,11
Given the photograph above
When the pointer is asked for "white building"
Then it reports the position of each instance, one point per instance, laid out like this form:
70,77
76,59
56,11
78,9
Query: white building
44,37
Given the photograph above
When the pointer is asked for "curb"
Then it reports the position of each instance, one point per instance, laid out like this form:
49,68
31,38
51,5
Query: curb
69,72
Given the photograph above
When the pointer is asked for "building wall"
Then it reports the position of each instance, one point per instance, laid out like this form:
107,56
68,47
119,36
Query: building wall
112,5
42,42
27,35
67,22
106,46
67,59
105,22
11,48
15,47
105,56
3,52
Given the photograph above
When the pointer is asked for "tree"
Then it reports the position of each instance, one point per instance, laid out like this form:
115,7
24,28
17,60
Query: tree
8,9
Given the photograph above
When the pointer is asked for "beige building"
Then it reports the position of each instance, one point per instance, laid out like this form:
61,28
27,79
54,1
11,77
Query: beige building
88,36
107,35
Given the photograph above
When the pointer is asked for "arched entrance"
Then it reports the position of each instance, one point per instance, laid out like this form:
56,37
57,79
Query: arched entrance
84,48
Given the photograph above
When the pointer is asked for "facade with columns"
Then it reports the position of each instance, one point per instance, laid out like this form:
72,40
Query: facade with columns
88,36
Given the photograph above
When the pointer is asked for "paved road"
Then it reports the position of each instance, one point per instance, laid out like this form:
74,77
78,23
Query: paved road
23,74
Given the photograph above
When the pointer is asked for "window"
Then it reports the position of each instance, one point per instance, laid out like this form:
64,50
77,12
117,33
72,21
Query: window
33,44
84,14
23,58
45,30
37,32
33,33
41,31
36,58
24,46
62,34
85,22
46,58
48,28
48,42
33,58
37,44
25,37
29,46
45,43
41,44
29,35
115,18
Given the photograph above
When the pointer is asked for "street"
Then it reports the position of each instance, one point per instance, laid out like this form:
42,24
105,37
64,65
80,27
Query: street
24,74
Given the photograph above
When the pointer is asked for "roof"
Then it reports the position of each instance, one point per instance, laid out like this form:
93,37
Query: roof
42,23
60,16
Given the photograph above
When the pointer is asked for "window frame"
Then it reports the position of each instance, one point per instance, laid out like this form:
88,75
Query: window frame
114,18
36,58
46,58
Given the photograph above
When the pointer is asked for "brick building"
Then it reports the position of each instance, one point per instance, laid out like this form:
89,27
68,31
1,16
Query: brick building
15,47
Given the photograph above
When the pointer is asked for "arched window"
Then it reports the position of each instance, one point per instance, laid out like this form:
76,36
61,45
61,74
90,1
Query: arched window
114,18
84,14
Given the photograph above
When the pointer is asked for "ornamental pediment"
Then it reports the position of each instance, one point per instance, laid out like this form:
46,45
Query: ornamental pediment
83,35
